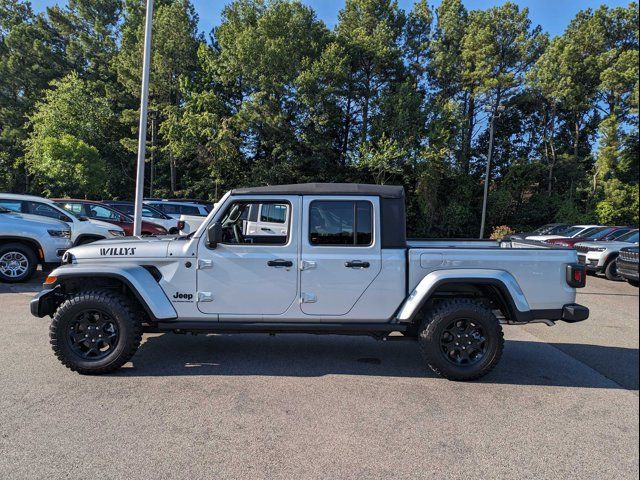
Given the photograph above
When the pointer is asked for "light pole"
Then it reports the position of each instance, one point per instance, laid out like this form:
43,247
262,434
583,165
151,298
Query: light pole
495,113
142,128
154,119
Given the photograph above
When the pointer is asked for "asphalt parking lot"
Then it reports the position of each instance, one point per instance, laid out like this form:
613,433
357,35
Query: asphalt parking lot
562,403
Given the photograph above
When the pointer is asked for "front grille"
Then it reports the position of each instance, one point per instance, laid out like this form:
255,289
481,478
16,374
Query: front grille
629,256
582,249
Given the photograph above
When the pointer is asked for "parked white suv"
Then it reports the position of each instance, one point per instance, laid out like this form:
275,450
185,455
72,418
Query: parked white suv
575,231
29,240
190,215
175,208
600,257
83,230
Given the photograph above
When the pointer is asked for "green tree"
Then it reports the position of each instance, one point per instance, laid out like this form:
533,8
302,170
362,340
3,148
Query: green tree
70,120
30,57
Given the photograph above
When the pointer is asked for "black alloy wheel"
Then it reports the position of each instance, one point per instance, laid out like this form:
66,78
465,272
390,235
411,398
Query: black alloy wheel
96,331
93,334
463,342
460,339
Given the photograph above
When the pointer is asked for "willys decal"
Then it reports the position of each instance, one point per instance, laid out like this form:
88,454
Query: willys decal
118,251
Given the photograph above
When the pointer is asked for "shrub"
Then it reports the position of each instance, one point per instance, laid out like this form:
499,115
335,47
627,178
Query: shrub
501,231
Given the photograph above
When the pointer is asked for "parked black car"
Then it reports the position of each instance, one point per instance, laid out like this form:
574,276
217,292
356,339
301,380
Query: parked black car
627,265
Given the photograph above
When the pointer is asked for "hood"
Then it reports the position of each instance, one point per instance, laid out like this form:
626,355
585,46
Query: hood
608,245
542,238
35,219
128,248
105,225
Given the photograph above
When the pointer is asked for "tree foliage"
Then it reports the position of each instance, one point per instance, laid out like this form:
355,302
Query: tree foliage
387,96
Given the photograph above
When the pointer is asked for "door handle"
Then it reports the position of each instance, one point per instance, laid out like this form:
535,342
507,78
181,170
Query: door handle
265,229
356,264
280,263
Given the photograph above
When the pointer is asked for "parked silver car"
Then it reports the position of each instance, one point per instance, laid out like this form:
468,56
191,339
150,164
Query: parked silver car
29,240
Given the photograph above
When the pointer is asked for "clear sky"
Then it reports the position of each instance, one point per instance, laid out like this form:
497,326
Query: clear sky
552,15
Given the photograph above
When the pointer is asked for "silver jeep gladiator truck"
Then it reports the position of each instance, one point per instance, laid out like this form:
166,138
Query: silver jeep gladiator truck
342,266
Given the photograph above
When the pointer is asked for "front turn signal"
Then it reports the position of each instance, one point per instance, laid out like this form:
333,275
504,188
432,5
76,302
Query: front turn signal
50,280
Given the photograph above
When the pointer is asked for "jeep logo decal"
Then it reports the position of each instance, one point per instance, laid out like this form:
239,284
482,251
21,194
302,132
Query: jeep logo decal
183,296
118,251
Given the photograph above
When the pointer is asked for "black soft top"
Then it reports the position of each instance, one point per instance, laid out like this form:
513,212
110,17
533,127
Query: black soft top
392,215
382,191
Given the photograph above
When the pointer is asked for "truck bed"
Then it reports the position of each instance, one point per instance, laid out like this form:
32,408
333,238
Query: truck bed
529,269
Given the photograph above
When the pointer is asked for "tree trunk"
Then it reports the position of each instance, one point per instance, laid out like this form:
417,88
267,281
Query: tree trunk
365,117
172,167
466,147
347,128
552,146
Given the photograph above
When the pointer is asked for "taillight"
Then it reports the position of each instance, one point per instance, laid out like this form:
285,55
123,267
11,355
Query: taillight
576,275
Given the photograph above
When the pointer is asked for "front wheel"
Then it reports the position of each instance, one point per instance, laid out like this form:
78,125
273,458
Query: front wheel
611,272
18,262
461,339
95,332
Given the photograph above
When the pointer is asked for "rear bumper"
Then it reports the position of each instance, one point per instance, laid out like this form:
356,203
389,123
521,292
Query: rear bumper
574,313
571,312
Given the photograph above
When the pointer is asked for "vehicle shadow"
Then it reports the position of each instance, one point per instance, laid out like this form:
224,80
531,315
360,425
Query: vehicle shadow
523,363
34,284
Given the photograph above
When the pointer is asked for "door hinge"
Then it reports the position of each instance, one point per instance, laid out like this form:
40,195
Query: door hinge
202,264
205,297
307,264
308,298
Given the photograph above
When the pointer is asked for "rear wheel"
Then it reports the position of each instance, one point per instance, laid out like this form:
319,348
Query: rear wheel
95,332
17,262
461,339
611,271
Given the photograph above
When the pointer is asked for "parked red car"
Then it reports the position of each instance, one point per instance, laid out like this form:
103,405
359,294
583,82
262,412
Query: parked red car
100,211
597,234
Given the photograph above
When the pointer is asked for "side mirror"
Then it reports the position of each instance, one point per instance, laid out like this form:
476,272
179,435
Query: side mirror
214,235
83,219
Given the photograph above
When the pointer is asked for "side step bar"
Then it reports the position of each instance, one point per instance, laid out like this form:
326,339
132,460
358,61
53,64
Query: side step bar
267,327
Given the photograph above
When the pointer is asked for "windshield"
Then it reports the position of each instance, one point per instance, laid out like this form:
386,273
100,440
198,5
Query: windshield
572,231
598,233
631,237
543,229
590,231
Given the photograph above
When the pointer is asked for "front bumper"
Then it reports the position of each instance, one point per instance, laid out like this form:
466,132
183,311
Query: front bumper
591,263
46,302
628,270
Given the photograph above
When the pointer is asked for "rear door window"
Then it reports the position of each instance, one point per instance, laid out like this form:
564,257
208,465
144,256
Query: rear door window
345,223
189,210
42,209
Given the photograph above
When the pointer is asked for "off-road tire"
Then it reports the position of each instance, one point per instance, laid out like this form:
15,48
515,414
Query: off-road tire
611,272
24,251
439,318
118,308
